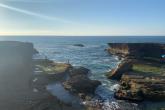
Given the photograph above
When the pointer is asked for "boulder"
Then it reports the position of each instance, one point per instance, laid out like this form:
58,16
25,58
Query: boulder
79,71
123,67
128,95
81,84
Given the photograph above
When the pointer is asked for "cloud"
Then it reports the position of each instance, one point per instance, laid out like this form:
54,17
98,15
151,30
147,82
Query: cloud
30,13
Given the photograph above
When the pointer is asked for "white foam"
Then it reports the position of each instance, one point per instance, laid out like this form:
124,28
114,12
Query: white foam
115,87
35,79
106,105
35,90
110,105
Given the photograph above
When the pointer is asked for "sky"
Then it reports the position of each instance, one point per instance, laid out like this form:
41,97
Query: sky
82,17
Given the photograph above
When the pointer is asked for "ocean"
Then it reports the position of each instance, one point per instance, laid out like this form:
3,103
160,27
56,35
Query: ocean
92,56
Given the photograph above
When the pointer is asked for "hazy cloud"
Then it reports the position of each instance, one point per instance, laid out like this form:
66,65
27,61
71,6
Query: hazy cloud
33,13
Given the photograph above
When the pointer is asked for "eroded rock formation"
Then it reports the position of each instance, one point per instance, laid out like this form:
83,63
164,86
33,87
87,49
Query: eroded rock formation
123,67
141,72
80,83
150,51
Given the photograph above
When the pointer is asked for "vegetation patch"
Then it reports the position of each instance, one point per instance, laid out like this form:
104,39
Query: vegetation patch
144,68
55,68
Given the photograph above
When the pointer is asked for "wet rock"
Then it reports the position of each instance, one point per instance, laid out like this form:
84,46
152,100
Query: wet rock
128,95
79,71
123,67
79,45
136,87
154,92
81,84
35,51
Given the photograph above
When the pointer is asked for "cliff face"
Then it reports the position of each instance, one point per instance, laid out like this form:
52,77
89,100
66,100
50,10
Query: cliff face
15,48
137,50
141,73
15,56
15,74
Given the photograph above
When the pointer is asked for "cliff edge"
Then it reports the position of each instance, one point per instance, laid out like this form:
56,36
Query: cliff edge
141,71
148,51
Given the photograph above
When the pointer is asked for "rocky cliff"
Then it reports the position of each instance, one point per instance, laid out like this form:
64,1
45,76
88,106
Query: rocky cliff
138,50
141,72
20,87
15,74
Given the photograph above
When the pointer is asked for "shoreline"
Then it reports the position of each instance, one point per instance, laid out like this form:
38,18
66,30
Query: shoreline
20,88
139,77
71,79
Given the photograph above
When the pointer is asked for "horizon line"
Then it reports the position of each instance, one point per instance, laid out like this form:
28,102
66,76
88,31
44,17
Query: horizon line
87,35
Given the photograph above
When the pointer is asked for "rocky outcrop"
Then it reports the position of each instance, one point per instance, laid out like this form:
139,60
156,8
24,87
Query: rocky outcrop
78,45
152,51
16,47
50,71
21,89
123,67
137,84
137,87
79,71
73,79
52,68
16,71
79,82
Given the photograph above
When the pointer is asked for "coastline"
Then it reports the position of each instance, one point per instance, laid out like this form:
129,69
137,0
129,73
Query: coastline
45,72
141,73
20,89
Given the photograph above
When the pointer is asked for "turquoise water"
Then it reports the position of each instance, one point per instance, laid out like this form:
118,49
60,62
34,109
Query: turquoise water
92,56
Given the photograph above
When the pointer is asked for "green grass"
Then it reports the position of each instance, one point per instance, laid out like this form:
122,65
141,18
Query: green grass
57,68
148,69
